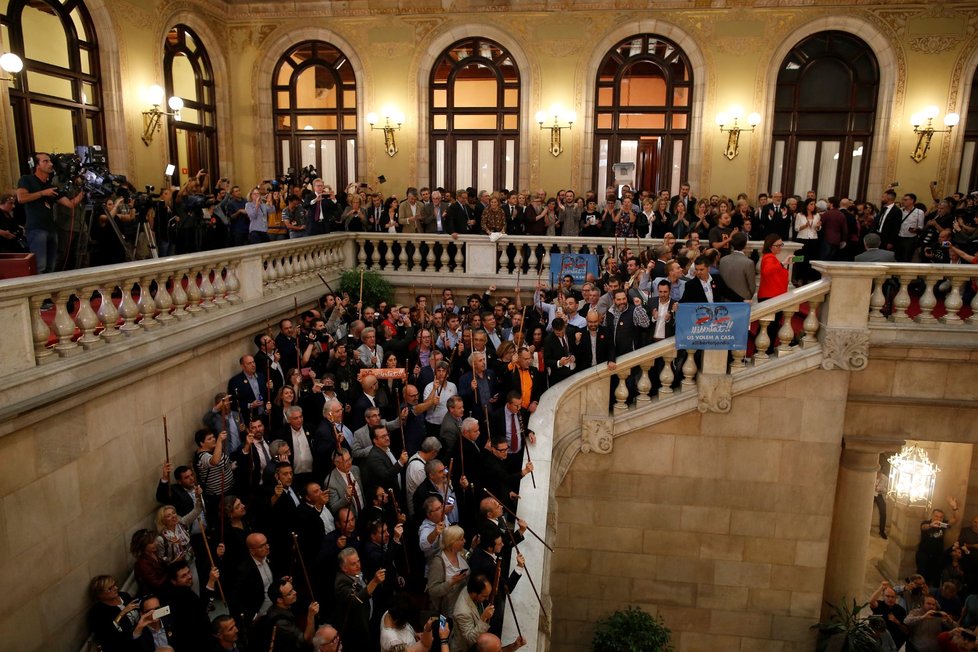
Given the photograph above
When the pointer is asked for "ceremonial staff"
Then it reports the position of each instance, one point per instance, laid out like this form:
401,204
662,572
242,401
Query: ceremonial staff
495,582
166,447
298,352
271,643
302,564
397,513
529,575
526,449
516,620
360,310
210,556
511,512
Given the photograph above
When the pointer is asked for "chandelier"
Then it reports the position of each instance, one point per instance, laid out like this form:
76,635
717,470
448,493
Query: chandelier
912,477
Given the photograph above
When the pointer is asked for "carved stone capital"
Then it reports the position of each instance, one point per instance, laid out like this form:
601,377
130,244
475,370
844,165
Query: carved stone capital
845,348
597,435
715,392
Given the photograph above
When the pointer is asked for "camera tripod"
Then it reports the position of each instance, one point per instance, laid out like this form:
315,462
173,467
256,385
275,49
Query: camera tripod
142,230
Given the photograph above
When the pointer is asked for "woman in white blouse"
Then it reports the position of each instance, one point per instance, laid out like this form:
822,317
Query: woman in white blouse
808,222
448,571
173,535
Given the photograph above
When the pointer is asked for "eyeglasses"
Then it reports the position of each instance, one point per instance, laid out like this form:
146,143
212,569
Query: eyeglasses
778,244
504,449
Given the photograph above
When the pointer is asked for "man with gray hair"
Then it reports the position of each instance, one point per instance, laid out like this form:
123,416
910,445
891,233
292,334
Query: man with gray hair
326,639
451,427
370,353
437,483
873,253
331,433
415,470
361,437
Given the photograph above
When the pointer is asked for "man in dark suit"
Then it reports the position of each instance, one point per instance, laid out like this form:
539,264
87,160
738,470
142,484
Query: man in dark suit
500,476
353,601
509,423
283,501
181,495
557,352
591,344
380,468
249,389
684,197
313,521
888,220
703,288
774,217
250,581
624,323
267,360
525,376
460,214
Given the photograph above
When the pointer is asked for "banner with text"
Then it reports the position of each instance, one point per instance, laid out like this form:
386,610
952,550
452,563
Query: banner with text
577,265
721,326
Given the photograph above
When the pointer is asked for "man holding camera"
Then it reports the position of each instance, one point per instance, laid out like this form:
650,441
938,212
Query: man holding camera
38,196
930,552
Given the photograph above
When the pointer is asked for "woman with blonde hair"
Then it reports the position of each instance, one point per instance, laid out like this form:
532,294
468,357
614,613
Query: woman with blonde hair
448,571
173,534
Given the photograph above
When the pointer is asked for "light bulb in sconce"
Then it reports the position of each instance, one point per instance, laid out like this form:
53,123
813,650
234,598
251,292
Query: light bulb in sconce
175,103
155,95
754,119
541,117
723,119
371,119
952,120
931,112
11,63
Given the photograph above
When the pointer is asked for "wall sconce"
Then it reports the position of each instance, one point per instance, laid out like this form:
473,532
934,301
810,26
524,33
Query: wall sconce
12,64
925,134
389,115
153,118
733,138
555,145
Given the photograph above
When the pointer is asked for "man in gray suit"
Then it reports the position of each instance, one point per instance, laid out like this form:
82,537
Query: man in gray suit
873,253
738,272
344,485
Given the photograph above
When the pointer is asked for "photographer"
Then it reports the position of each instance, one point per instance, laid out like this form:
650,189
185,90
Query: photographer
235,207
321,208
107,249
930,552
38,196
295,219
12,237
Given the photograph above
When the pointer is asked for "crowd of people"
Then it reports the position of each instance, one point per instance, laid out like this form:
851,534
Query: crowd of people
205,214
357,482
936,608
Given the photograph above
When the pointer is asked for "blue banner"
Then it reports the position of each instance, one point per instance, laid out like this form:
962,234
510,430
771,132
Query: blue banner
720,326
577,265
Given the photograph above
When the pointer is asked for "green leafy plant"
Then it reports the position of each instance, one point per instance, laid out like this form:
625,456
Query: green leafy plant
846,630
631,630
375,287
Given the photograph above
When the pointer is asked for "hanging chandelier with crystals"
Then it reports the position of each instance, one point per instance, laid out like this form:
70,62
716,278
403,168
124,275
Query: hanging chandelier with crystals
912,477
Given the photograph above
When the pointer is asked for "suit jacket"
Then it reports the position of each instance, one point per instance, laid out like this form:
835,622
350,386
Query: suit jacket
352,603
653,305
876,256
739,276
515,384
378,471
553,351
449,435
468,623
693,291
468,396
241,388
310,530
430,221
582,349
514,219
263,362
888,224
337,485
459,216
771,222
404,215
179,497
627,337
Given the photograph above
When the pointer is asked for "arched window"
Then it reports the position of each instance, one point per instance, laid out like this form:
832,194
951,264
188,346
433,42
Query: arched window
644,99
314,99
188,74
57,98
824,115
968,180
475,117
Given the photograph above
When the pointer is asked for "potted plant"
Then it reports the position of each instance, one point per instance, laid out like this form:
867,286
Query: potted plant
631,630
846,630
375,287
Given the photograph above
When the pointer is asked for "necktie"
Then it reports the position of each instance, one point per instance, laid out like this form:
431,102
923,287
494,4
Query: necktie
353,488
514,442
563,344
292,495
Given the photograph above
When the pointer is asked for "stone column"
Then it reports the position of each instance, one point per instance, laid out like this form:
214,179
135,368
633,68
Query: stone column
852,518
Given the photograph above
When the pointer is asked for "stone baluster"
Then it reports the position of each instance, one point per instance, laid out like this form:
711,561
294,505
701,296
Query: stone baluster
737,364
444,260
666,376
877,301
689,370
220,285
389,255
361,252
305,264
193,292
108,314
86,319
902,300
375,257
928,301
40,333
430,258
128,308
63,325
621,392
270,274
762,341
402,257
786,333
180,294
416,257
518,260
207,289
164,302
147,307
644,384
545,265
502,260
973,319
953,302
811,323
288,271
531,260
458,260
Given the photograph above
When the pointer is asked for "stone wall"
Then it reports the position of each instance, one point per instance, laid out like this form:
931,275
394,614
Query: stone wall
720,523
75,486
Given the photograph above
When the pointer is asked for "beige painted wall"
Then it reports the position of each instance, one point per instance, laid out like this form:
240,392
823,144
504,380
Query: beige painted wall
720,523
933,48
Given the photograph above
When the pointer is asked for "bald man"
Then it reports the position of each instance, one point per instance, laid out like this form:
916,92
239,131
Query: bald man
490,643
